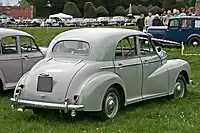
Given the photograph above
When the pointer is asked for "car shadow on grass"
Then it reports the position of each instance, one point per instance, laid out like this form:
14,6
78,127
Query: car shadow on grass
94,117
7,93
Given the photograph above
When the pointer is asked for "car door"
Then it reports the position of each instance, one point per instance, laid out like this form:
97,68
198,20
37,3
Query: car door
10,61
174,29
186,29
30,53
155,76
128,66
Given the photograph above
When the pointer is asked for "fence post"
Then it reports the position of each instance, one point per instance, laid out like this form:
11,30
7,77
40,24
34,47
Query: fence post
182,48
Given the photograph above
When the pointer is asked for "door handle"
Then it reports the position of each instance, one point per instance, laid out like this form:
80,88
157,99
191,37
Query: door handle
119,66
146,62
25,57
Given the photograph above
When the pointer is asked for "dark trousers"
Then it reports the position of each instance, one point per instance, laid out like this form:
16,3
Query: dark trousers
141,28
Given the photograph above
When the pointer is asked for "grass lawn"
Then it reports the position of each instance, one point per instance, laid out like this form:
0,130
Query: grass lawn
152,116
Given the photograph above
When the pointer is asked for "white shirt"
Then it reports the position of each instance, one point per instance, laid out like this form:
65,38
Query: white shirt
149,21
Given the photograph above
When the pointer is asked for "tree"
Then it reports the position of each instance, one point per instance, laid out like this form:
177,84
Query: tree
155,10
156,2
191,3
167,4
70,8
89,10
120,11
143,2
142,10
101,11
149,7
178,5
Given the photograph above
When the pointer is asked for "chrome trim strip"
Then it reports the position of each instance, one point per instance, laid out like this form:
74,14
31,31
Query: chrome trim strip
109,67
129,65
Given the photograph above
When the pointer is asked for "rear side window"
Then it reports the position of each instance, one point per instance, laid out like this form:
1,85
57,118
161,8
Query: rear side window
71,47
197,24
187,23
9,45
126,49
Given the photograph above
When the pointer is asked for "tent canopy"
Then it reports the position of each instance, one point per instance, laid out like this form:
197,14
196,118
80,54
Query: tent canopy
61,16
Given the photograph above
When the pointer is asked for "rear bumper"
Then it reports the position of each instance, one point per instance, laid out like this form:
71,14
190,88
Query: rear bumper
23,104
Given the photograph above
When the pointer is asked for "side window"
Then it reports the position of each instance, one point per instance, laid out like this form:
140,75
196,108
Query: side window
197,24
146,47
186,23
126,49
174,24
27,44
9,45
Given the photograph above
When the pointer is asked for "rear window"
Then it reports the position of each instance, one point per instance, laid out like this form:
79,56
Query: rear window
72,47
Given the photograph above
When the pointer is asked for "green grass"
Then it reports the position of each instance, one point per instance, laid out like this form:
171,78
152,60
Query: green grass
152,116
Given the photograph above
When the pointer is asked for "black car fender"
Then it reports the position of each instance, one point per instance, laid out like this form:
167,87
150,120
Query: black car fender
193,35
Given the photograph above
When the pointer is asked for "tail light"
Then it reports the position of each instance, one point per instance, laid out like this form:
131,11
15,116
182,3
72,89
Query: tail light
76,97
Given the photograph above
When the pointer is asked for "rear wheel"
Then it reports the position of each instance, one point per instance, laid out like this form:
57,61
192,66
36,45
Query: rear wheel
180,88
194,41
111,104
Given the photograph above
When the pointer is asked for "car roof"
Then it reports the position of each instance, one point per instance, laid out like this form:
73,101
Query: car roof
96,34
4,32
186,17
102,41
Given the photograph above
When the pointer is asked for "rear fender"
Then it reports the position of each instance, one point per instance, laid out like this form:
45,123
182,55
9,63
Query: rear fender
193,35
95,88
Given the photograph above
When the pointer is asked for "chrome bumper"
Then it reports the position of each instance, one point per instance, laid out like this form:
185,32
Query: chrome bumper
22,104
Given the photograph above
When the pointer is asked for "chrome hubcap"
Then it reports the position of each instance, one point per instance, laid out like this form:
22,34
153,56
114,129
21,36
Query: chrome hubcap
195,43
111,105
179,90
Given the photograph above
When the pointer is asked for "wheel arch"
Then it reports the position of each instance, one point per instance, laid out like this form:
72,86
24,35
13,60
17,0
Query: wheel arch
185,75
191,36
121,93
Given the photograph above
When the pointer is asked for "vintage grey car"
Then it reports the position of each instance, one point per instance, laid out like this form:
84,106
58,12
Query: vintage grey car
100,70
18,54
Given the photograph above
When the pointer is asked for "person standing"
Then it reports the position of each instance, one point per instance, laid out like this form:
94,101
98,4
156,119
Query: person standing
182,13
176,13
149,20
167,17
157,21
140,22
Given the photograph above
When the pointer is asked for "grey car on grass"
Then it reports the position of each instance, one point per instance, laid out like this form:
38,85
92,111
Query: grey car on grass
18,54
100,70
